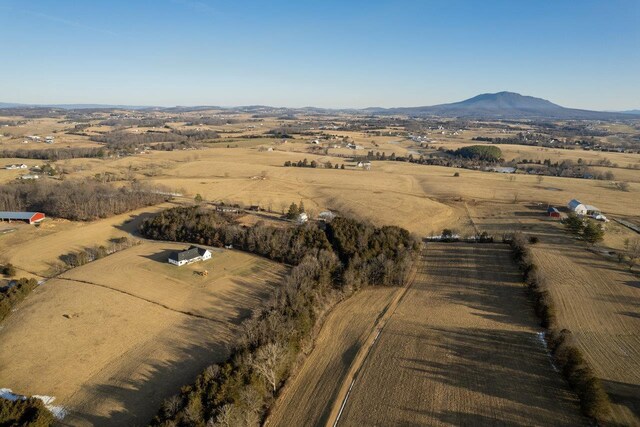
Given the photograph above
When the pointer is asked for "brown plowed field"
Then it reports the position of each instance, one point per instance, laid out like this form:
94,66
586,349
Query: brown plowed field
307,399
600,303
461,349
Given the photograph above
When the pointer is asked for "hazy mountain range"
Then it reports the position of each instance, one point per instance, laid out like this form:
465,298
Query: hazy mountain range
501,105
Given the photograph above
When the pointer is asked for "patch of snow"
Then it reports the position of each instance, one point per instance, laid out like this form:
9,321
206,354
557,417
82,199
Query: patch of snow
541,337
58,411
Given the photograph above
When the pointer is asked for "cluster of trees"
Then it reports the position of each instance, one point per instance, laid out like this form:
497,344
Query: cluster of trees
567,355
295,210
371,255
381,156
302,163
78,200
24,412
123,140
13,294
55,153
487,153
327,263
132,121
565,168
520,138
312,164
588,230
87,255
207,227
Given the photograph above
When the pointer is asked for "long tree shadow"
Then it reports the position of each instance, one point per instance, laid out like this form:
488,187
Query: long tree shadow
176,355
485,365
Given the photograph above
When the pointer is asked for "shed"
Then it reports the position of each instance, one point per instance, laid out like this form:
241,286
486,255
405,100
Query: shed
553,212
302,218
28,217
577,207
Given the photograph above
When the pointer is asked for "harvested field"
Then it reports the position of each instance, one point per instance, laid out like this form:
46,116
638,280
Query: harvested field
600,303
461,349
117,336
308,397
34,250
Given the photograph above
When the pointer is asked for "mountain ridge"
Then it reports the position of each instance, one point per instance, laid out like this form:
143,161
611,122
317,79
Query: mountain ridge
499,105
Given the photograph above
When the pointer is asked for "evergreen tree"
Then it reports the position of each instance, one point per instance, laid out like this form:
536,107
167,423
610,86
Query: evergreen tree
592,233
574,224
293,211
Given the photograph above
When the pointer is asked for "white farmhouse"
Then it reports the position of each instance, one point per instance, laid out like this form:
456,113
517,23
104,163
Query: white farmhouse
189,256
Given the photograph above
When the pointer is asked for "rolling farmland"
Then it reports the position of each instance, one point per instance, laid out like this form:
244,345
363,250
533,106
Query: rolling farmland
462,348
598,301
308,397
118,335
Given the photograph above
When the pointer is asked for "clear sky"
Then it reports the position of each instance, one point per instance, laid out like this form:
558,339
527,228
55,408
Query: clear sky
578,53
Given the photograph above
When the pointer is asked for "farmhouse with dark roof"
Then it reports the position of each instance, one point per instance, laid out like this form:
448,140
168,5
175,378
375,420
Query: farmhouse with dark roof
189,256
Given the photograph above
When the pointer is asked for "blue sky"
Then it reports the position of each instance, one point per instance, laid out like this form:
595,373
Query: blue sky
326,53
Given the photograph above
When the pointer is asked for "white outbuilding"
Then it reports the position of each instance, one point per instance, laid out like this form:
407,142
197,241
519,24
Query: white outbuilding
580,208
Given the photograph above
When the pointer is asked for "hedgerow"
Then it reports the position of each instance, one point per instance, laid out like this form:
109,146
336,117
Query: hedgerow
569,358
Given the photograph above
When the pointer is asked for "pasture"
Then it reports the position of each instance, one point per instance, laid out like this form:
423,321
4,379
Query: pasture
110,340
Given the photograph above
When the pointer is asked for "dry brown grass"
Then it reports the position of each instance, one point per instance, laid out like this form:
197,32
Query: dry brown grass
308,397
461,349
598,301
112,339
34,250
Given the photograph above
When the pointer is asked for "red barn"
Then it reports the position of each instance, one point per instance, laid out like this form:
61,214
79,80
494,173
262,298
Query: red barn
553,212
28,217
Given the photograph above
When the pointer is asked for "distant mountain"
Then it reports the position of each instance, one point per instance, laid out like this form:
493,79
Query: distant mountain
502,105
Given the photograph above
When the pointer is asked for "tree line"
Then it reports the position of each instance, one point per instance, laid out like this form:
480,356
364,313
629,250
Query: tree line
312,164
329,264
78,200
55,153
571,361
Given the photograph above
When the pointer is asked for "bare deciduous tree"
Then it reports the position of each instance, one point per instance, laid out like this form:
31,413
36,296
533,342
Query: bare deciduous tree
268,362
226,417
632,247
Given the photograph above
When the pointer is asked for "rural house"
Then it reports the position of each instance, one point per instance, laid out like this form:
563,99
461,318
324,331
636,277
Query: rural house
581,209
18,166
189,256
28,217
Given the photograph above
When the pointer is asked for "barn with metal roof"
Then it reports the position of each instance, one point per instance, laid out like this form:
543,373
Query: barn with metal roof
28,217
